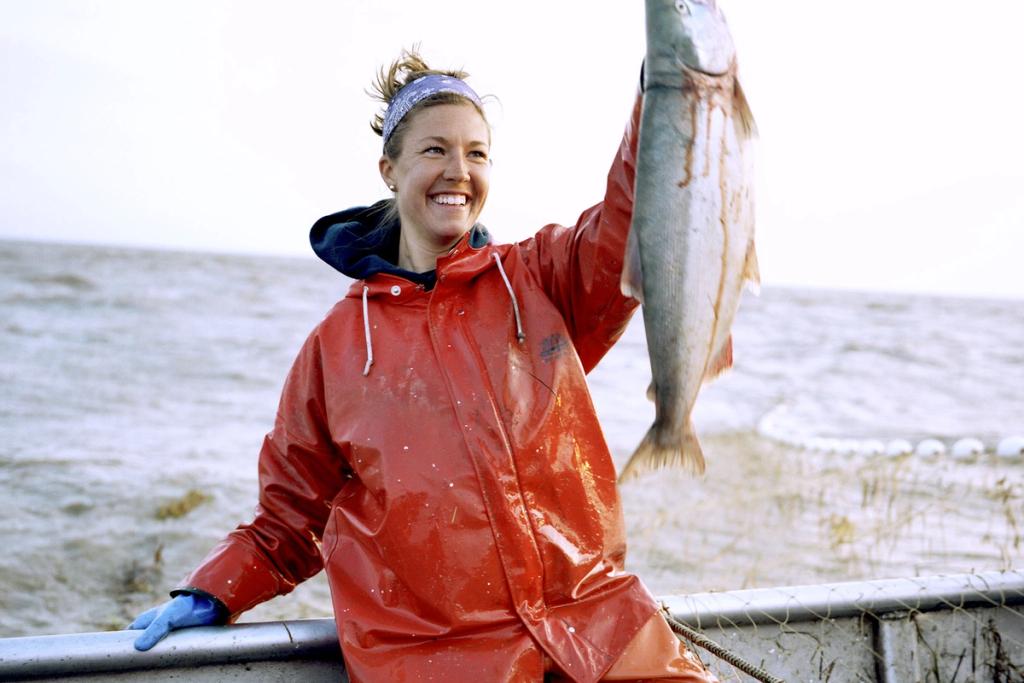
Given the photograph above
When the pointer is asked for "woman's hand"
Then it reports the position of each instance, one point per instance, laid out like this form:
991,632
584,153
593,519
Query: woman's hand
182,611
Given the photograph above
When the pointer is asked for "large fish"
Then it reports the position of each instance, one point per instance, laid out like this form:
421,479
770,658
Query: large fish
692,238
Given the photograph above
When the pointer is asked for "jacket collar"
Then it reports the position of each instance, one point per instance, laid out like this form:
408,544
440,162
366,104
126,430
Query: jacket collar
361,242
466,260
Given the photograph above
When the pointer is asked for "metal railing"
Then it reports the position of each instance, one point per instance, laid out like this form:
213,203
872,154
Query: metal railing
966,627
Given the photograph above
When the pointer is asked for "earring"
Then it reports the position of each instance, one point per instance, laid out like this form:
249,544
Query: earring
392,188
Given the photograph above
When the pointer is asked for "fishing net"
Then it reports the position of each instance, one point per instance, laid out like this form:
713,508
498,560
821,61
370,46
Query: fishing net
948,629
769,514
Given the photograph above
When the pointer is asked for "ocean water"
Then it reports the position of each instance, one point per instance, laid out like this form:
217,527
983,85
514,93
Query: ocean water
130,378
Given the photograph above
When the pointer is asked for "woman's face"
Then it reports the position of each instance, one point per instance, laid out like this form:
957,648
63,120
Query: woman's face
443,173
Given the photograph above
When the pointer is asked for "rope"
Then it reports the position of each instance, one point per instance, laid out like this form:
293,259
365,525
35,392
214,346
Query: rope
701,640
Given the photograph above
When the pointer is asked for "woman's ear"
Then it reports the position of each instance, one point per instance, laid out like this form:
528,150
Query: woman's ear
387,172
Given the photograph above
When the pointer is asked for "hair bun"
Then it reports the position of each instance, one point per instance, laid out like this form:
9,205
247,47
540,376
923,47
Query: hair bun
409,66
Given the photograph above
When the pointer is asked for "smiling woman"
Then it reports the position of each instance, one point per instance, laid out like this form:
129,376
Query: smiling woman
455,485
446,163
440,181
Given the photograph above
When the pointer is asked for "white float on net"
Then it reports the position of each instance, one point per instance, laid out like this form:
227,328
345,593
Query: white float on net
792,438
830,445
1011,447
930,448
967,448
872,447
898,447
849,446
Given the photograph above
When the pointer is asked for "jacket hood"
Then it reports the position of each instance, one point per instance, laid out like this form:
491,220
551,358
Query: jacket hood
360,242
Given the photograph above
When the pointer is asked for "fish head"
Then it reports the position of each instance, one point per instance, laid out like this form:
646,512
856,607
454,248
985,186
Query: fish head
704,43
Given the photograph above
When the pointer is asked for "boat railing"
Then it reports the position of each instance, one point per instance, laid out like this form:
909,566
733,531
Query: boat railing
966,627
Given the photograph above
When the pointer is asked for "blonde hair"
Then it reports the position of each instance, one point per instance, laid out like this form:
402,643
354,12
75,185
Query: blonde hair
409,66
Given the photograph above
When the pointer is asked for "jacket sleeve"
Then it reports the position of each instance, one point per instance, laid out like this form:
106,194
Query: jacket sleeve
300,471
580,266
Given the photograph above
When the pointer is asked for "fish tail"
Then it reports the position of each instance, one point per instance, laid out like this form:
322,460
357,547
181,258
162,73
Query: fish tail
660,449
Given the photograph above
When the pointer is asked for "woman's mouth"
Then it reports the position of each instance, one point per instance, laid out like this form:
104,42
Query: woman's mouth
449,199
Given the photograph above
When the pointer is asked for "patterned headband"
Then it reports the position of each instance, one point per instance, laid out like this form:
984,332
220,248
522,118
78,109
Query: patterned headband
413,93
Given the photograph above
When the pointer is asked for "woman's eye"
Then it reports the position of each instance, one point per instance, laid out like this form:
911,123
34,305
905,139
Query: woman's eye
433,150
478,154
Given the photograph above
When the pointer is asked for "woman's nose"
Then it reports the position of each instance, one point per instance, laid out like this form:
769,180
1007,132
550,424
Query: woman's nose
457,169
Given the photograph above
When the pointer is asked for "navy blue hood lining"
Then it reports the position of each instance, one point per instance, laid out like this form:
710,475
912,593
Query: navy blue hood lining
360,242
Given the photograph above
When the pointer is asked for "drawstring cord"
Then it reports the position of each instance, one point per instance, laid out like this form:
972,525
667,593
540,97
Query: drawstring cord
515,304
366,327
520,336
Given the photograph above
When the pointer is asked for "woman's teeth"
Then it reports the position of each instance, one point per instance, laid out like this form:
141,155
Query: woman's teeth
450,199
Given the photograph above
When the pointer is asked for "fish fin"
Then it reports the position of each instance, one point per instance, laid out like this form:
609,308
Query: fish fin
721,362
751,270
741,109
632,281
683,451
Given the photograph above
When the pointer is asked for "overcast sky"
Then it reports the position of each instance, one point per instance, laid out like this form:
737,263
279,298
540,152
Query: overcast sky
890,156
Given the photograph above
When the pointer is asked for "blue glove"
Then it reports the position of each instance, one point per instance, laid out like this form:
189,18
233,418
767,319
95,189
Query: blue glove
184,610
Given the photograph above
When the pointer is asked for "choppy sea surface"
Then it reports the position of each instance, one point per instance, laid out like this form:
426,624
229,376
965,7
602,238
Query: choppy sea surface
136,386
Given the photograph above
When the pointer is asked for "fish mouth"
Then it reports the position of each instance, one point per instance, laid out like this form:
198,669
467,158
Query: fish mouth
684,5
686,8
705,44
707,72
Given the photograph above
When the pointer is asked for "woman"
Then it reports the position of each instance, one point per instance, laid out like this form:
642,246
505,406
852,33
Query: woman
436,449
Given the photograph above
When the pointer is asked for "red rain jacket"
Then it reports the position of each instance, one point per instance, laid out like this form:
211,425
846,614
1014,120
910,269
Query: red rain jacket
461,496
